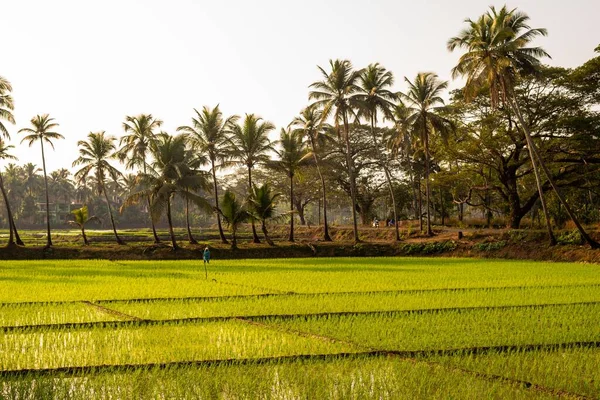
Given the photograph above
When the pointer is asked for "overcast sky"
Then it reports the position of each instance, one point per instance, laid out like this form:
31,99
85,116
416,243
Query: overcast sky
89,64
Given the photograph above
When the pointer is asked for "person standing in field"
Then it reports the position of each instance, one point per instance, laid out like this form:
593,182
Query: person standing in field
206,258
206,255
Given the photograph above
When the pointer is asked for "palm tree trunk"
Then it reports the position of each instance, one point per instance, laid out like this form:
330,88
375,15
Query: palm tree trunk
255,238
291,237
48,236
85,239
112,220
387,176
326,236
11,239
187,220
420,204
234,238
171,232
264,231
214,175
350,165
534,153
156,238
427,189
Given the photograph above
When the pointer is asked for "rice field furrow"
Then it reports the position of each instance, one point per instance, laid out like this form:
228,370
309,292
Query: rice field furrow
109,311
134,321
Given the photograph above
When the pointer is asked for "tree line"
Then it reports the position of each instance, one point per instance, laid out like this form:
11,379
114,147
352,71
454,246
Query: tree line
520,138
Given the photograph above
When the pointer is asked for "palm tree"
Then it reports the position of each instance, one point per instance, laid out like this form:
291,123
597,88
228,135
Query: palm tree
4,155
422,113
375,82
81,218
497,56
170,174
31,179
94,156
6,106
249,143
208,133
234,214
42,131
309,124
135,146
193,161
262,207
335,95
292,155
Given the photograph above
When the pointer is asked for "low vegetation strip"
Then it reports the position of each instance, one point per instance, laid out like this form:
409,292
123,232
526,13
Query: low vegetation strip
129,321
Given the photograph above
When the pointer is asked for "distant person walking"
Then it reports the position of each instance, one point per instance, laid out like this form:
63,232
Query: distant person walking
206,257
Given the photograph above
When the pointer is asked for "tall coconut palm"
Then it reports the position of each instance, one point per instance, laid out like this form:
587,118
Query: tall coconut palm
42,131
497,55
208,134
81,218
309,123
6,106
168,175
135,147
94,157
335,95
249,143
292,156
262,207
376,97
234,214
4,155
423,106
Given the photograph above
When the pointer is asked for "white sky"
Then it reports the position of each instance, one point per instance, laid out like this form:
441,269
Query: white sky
89,64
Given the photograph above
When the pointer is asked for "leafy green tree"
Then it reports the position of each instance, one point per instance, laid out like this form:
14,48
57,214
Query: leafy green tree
262,207
208,134
4,155
336,96
234,214
94,157
423,108
249,143
292,155
81,219
135,147
42,131
309,123
376,98
497,57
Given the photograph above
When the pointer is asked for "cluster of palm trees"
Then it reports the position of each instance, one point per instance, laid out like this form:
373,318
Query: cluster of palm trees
497,55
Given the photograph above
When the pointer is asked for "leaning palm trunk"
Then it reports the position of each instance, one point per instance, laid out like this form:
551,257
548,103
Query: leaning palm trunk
427,189
214,175
387,177
266,234
156,238
170,221
326,236
350,165
85,239
535,154
48,237
255,238
11,239
291,237
112,220
191,239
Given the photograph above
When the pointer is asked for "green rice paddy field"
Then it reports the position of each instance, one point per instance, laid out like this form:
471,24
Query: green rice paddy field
385,328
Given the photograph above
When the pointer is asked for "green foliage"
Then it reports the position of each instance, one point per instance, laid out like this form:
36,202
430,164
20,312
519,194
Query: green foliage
428,247
570,237
490,246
